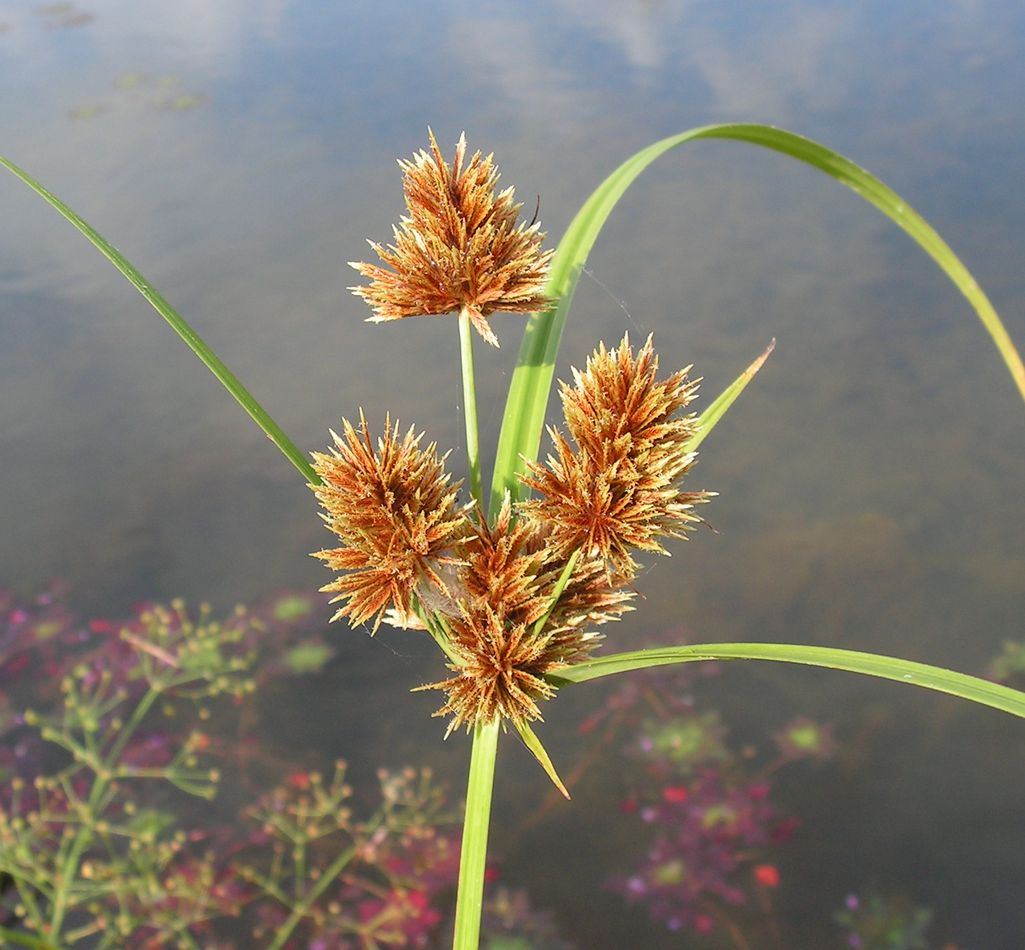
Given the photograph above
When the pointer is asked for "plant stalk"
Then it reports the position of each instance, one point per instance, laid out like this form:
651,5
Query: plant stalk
330,876
473,855
70,863
470,405
25,940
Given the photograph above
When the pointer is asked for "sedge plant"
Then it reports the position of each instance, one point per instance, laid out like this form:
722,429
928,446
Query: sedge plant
511,587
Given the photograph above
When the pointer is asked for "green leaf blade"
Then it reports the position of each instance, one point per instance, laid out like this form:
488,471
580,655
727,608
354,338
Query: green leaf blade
972,688
535,747
708,419
178,323
523,421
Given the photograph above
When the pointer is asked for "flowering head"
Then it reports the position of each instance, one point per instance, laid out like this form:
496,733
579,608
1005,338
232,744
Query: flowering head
618,490
804,738
459,248
514,600
394,509
499,671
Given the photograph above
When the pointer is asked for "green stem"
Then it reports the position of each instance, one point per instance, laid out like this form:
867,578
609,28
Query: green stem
560,586
69,865
329,877
25,940
472,857
436,628
25,894
470,405
134,721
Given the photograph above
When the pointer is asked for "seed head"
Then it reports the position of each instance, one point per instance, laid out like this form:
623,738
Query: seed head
458,248
619,490
507,585
499,671
395,512
504,568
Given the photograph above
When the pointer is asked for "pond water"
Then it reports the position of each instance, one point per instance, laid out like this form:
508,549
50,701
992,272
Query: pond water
870,480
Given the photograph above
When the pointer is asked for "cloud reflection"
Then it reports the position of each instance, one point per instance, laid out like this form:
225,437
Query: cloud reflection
765,72
564,62
531,80
637,28
122,30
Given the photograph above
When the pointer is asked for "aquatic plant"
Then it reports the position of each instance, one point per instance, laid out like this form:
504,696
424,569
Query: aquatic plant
510,922
1008,666
97,850
509,591
875,922
311,864
324,877
702,820
86,862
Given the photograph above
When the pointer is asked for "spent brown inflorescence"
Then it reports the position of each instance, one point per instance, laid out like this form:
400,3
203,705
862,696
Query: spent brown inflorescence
618,490
460,246
520,597
513,600
514,628
394,509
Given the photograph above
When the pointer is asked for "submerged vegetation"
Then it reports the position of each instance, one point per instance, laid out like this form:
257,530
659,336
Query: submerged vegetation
322,860
510,587
98,844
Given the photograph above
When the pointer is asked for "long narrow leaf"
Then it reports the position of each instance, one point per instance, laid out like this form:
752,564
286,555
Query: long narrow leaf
972,688
717,409
531,383
178,324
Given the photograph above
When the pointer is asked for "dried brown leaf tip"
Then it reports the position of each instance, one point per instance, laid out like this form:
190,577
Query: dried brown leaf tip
394,509
459,247
619,490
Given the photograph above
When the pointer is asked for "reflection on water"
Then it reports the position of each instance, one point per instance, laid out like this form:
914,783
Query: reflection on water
64,16
870,480
139,91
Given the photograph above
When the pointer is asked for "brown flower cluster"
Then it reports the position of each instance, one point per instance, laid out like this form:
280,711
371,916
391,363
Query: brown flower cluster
459,247
492,590
618,491
511,630
394,510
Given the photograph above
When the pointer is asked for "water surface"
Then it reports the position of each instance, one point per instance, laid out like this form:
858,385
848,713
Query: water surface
870,481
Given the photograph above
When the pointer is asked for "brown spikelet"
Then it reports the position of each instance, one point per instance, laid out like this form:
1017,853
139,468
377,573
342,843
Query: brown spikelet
507,634
619,490
593,596
458,247
503,569
499,671
395,512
